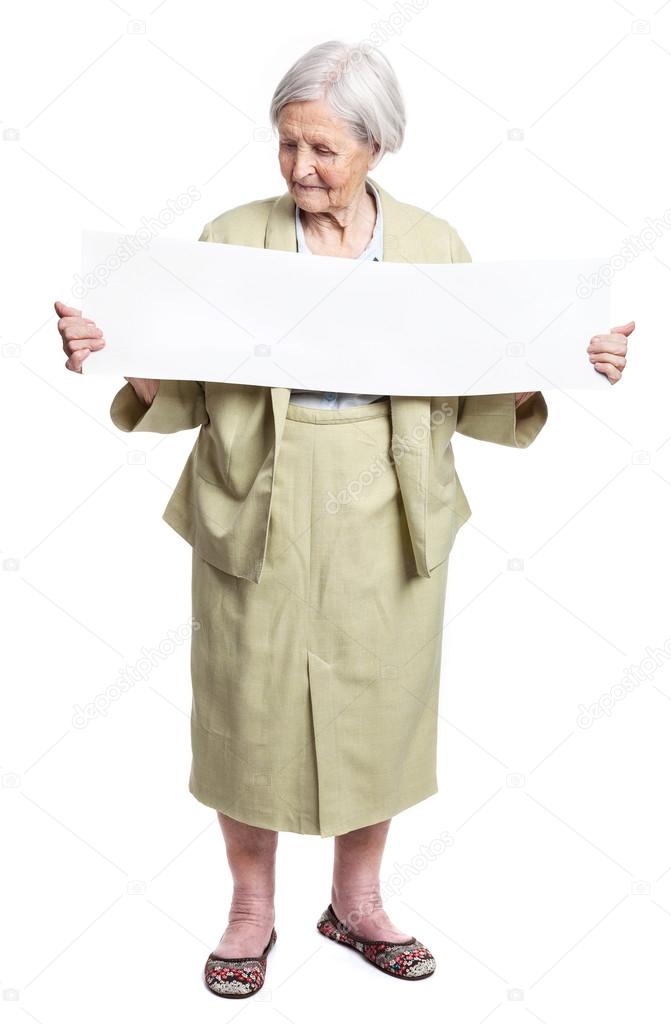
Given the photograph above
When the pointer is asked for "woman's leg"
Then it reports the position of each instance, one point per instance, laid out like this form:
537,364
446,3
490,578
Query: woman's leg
355,893
251,858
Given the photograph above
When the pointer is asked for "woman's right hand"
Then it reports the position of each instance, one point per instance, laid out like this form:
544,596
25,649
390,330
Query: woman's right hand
81,336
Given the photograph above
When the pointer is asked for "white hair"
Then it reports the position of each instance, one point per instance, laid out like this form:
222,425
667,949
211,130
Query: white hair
358,83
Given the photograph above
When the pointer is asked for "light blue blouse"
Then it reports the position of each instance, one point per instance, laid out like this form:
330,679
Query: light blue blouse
373,251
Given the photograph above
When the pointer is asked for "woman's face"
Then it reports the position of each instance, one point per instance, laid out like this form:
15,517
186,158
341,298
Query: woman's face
323,165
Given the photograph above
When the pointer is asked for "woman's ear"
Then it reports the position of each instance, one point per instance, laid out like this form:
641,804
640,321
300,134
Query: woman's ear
374,157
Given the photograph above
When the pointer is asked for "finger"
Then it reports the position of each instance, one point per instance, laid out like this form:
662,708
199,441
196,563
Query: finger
81,343
64,310
76,359
608,343
626,330
74,329
75,321
609,357
611,372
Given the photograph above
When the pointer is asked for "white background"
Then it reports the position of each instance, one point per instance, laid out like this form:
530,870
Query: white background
552,900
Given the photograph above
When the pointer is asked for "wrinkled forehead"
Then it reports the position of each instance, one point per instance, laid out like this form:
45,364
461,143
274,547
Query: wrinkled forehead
311,123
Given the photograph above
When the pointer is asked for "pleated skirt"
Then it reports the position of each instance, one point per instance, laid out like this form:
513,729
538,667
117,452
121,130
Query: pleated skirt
315,690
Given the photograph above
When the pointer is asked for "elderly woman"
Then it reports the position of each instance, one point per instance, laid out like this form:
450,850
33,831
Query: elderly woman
321,525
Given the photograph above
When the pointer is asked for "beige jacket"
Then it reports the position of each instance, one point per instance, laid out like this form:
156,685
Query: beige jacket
221,503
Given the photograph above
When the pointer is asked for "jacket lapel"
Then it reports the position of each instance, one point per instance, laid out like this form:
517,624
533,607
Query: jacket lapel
281,234
410,414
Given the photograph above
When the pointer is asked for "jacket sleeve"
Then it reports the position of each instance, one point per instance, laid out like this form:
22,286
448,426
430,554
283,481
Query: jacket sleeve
177,405
494,417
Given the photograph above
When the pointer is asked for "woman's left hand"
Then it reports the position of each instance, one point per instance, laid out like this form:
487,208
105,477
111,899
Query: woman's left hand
607,352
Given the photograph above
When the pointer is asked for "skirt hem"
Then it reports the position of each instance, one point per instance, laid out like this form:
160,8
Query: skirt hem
276,824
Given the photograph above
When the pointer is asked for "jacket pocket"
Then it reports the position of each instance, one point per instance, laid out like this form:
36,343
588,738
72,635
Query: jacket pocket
212,457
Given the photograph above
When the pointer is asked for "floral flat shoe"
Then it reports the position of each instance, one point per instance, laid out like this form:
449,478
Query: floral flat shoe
410,960
236,977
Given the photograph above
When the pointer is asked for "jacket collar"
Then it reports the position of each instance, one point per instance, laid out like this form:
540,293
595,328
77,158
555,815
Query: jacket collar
399,241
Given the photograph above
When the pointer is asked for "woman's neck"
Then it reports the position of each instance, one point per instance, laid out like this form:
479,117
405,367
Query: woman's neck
342,232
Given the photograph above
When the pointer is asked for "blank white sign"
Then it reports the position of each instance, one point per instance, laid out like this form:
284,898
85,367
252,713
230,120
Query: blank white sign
186,310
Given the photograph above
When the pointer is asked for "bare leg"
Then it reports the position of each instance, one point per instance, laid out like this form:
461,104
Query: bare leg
251,857
355,893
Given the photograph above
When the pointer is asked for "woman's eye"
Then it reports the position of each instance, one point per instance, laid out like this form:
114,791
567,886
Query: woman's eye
324,151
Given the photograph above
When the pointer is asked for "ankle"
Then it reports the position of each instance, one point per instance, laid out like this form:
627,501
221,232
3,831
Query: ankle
255,908
356,903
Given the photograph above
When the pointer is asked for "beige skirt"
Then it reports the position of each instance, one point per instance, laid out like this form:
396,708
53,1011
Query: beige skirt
315,691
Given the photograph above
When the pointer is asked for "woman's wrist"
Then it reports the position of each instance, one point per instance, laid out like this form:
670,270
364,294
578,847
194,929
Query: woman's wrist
145,389
522,397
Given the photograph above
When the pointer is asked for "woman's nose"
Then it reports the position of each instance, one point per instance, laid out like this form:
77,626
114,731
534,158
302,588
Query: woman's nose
303,166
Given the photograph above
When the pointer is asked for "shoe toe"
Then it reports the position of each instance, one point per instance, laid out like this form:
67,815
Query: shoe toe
237,976
402,961
421,967
241,979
